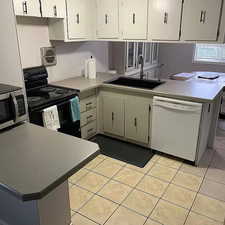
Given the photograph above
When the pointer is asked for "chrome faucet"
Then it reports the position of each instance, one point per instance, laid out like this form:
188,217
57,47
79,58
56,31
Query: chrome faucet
141,62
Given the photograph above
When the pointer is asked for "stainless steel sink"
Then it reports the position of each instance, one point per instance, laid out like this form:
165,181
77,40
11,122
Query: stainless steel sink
136,83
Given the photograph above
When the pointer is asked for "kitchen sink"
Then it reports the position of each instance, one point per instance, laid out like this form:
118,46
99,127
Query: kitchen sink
136,83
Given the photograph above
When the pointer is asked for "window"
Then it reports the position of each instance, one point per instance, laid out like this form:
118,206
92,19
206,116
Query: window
209,53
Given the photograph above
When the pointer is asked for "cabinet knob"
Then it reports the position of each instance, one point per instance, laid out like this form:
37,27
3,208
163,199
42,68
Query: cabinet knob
55,10
112,116
106,18
25,11
201,16
166,17
134,18
78,18
135,122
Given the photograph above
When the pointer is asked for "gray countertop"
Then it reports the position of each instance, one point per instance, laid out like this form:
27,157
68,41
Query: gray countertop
195,89
35,160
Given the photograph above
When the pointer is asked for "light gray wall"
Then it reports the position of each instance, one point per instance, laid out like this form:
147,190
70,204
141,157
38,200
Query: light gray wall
178,58
33,34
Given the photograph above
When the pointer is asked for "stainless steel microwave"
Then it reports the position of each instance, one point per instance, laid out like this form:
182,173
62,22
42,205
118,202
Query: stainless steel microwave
12,106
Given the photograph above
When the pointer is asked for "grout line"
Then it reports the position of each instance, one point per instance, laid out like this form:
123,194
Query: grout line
86,218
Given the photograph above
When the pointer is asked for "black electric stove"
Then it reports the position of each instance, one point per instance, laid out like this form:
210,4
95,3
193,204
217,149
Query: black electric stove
41,95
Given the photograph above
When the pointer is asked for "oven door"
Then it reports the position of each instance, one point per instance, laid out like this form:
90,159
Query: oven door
67,126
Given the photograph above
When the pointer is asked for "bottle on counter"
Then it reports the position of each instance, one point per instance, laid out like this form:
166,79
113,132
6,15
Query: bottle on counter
90,68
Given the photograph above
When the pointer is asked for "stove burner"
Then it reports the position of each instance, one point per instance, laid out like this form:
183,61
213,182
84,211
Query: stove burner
34,99
48,89
61,91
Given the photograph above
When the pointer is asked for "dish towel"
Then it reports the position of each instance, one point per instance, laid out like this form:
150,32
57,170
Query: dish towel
75,109
50,118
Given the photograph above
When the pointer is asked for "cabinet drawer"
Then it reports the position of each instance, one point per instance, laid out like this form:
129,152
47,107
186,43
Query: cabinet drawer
89,130
87,117
88,104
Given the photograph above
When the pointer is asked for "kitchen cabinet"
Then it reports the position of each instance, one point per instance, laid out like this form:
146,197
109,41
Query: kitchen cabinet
137,118
27,8
53,8
107,19
134,19
164,19
79,19
113,115
201,20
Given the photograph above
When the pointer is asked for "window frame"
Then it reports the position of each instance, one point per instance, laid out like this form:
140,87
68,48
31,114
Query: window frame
197,61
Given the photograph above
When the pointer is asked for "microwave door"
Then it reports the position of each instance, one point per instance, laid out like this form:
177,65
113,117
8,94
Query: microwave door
15,109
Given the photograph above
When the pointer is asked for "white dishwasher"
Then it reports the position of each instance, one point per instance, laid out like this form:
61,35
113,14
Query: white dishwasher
175,127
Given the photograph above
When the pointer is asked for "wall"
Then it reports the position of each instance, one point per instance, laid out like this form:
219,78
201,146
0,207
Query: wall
33,34
10,64
178,58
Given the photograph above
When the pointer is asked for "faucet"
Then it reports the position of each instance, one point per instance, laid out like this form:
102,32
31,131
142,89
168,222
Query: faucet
141,62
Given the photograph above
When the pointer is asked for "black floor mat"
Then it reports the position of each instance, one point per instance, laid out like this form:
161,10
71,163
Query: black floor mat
126,152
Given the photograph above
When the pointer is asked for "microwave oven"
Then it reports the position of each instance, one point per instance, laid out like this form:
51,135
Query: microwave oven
12,106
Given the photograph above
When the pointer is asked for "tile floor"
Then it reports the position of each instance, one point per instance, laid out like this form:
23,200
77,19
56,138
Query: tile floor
166,192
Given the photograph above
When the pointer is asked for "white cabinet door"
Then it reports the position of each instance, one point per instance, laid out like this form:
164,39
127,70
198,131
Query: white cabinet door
134,17
137,119
113,115
53,8
79,19
164,19
201,20
107,19
27,8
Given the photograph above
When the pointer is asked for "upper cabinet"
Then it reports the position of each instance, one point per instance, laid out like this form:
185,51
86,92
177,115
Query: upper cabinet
107,19
164,19
27,8
79,19
133,19
201,20
53,8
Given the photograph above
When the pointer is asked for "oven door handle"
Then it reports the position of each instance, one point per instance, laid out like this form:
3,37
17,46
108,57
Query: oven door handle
15,107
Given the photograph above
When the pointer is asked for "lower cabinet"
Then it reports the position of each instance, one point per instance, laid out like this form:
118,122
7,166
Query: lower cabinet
113,115
137,119
126,116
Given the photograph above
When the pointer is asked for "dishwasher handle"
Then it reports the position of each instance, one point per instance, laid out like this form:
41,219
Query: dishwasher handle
178,107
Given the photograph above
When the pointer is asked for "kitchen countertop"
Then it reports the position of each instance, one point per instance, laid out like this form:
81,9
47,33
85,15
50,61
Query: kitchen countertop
35,160
198,90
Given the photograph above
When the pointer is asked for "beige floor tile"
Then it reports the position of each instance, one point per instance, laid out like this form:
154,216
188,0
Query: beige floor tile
115,191
78,197
98,209
101,156
111,160
216,175
213,189
140,202
197,171
128,176
169,214
155,158
152,186
144,170
173,163
179,196
151,222
92,182
72,213
73,179
107,169
92,164
162,172
209,207
196,219
81,220
188,181
124,216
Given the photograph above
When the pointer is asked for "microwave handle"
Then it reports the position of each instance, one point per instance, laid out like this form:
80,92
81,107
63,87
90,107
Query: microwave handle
15,106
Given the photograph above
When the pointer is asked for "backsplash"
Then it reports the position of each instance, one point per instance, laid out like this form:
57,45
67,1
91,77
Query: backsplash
33,34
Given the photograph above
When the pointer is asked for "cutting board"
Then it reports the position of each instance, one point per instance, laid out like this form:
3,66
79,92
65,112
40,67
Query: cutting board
182,76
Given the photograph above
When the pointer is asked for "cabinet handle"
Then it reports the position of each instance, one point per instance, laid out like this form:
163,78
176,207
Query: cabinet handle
78,18
106,19
90,130
204,16
165,18
134,18
25,7
135,122
89,117
201,16
55,10
112,116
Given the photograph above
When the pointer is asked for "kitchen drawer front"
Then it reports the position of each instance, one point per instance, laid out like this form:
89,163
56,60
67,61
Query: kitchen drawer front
88,117
88,104
89,130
